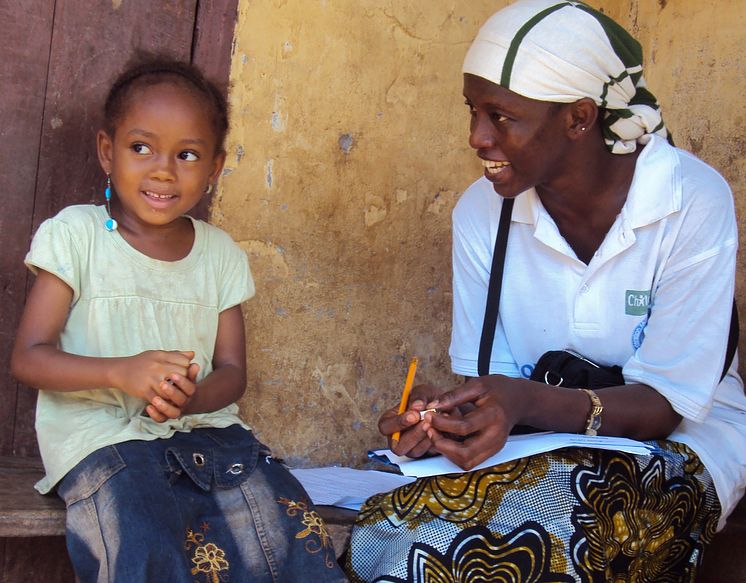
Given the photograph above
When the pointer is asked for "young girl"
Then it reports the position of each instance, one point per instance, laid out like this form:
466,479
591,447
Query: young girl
134,335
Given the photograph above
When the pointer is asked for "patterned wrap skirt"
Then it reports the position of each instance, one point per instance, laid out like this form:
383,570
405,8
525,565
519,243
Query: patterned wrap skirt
570,515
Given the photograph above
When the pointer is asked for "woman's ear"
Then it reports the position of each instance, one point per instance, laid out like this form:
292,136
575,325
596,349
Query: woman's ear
583,115
104,148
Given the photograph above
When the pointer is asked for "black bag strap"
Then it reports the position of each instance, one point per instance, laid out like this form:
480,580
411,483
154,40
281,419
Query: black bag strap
494,288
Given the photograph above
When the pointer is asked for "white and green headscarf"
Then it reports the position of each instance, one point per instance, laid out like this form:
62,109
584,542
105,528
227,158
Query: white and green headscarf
562,51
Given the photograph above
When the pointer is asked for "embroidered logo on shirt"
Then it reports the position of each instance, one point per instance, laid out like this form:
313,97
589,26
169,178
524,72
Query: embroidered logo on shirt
636,302
638,334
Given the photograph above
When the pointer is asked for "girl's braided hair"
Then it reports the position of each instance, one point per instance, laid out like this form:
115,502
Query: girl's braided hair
146,70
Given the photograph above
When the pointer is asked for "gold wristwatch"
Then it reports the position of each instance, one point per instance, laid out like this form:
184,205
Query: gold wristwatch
593,424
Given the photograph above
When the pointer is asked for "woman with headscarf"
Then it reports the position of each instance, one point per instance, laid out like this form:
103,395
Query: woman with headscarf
621,248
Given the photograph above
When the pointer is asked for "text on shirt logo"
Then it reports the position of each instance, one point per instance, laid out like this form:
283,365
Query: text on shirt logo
636,302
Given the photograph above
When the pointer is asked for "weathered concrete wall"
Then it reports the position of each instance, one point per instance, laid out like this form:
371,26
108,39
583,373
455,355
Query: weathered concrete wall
348,151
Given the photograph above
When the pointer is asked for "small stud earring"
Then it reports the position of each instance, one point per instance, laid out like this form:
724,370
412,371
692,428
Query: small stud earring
110,224
582,129
208,190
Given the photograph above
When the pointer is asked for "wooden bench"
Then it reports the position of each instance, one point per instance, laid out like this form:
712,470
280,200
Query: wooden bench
33,526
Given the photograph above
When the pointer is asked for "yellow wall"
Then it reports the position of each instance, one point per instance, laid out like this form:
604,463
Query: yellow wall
347,154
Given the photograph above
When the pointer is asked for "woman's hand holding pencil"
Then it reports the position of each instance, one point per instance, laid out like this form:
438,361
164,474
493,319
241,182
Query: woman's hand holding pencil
403,423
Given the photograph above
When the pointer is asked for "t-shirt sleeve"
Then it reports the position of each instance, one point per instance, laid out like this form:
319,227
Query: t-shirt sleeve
55,249
683,352
237,281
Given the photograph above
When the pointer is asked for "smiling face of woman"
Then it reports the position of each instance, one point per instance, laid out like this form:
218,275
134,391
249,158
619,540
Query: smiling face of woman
521,142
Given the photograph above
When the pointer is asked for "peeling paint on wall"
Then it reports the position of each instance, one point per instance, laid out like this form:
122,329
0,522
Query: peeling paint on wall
443,201
268,173
279,119
373,215
346,141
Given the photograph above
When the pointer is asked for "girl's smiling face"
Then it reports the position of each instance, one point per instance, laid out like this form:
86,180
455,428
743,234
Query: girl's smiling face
519,140
162,156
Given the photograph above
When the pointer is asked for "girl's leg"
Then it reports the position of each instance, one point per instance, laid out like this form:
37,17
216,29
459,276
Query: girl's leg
122,521
209,505
274,522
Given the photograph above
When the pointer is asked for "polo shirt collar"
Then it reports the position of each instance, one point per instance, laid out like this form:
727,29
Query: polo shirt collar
654,194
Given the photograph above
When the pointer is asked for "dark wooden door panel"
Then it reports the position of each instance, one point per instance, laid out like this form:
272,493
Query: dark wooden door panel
57,60
92,42
211,51
213,38
23,75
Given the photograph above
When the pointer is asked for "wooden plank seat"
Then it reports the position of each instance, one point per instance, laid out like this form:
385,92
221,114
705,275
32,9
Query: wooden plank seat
23,511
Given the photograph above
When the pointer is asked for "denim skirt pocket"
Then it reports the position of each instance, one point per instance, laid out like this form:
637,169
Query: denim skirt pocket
210,462
90,474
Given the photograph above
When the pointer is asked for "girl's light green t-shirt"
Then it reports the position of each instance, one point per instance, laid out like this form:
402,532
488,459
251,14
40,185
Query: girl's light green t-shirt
125,303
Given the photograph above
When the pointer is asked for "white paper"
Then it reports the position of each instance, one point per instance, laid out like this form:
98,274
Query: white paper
517,446
346,487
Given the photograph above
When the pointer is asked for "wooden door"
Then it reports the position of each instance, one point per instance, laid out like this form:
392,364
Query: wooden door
57,60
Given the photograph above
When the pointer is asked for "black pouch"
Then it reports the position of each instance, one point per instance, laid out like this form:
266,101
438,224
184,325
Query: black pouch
565,368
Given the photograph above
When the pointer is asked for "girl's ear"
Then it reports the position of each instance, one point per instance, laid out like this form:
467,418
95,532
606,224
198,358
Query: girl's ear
218,163
104,148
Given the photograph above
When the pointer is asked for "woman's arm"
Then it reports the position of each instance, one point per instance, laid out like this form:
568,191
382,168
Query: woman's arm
636,411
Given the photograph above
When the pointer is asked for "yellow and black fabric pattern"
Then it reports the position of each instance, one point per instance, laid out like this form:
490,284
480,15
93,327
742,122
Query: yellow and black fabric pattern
570,515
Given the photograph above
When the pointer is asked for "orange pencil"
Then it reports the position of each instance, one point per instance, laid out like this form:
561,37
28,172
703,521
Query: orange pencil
405,395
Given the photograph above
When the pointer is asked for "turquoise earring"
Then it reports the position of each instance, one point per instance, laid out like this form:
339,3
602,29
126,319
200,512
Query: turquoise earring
109,224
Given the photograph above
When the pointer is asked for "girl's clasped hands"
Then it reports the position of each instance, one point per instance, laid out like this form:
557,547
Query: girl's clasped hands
165,379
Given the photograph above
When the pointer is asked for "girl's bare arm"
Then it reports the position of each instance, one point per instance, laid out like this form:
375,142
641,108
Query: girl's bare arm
38,361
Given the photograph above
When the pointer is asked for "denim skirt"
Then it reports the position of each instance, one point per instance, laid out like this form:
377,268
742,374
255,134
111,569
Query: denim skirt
210,505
